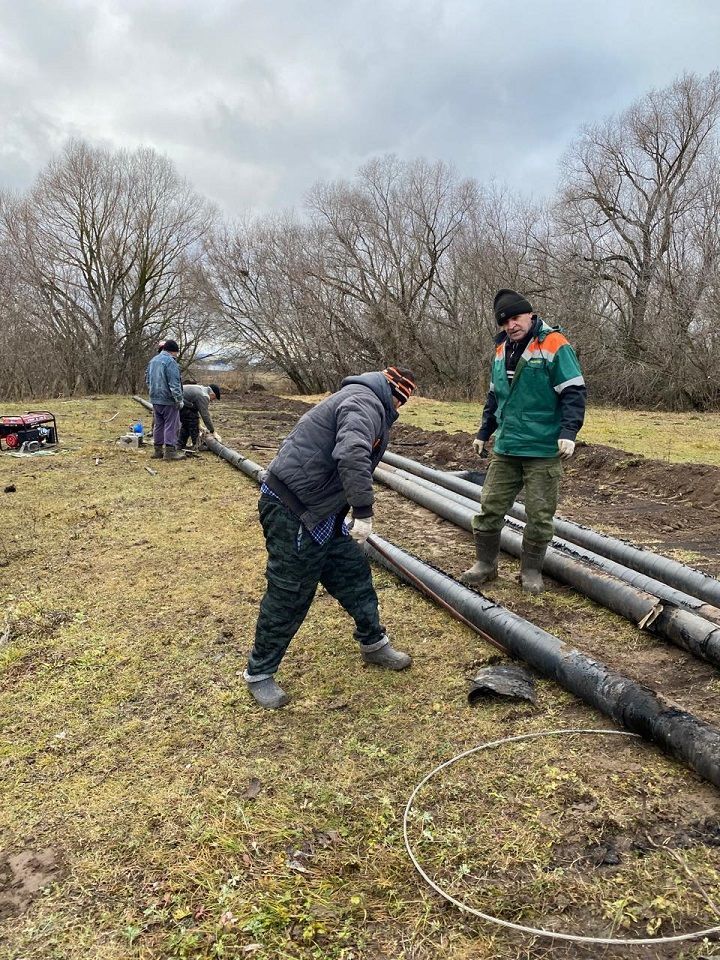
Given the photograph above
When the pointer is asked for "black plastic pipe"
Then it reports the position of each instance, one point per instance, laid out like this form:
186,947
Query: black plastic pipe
681,627
657,588
247,466
631,704
635,605
672,572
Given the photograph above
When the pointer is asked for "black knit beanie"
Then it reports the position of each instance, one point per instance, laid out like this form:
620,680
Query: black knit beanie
215,389
509,304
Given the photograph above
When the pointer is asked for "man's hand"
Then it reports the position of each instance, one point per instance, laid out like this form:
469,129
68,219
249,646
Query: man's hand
179,404
360,530
216,435
566,448
480,448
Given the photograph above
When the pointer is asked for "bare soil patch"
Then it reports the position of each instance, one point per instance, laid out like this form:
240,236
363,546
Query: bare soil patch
23,875
654,503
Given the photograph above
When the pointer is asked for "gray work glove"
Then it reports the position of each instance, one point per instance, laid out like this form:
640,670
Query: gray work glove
566,448
360,530
480,447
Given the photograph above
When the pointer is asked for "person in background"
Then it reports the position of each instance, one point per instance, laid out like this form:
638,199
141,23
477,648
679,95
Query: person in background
196,405
322,471
535,407
165,389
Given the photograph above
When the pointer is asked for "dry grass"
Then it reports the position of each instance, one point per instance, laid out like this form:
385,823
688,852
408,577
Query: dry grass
181,814
677,437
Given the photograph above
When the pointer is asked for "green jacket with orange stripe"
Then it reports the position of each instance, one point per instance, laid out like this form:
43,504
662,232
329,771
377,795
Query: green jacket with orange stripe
544,401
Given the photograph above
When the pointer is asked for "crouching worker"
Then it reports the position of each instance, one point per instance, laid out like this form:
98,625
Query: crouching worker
196,404
535,408
323,470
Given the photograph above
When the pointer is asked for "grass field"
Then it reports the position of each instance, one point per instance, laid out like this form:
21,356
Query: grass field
677,437
176,820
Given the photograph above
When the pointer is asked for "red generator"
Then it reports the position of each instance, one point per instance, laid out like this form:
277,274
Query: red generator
34,429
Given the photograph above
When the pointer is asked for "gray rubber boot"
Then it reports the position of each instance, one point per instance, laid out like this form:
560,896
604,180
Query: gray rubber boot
531,564
157,451
383,654
267,693
172,454
487,547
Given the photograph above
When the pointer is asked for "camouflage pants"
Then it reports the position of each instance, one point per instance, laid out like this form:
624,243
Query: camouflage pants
295,567
505,478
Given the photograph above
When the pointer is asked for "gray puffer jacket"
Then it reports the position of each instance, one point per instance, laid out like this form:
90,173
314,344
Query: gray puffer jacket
327,462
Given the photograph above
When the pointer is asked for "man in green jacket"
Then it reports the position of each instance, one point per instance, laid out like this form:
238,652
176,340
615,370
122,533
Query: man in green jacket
535,407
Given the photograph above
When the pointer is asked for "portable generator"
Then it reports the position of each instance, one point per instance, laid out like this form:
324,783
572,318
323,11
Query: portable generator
34,429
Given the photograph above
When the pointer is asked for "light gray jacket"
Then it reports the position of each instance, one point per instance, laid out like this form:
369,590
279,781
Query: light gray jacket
195,397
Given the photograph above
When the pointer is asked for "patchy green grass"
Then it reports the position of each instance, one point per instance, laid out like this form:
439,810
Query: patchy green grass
186,823
677,437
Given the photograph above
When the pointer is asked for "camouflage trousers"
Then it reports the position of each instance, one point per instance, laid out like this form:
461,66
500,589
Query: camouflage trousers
505,478
295,567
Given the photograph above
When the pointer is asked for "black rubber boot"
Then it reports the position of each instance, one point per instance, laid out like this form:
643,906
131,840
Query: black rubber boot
157,451
172,454
383,654
268,694
531,564
487,547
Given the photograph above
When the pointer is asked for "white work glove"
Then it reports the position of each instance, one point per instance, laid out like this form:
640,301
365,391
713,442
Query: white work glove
217,436
360,530
566,448
480,447
179,404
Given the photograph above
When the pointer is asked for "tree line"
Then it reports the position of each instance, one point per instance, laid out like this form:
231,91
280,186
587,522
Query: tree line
109,251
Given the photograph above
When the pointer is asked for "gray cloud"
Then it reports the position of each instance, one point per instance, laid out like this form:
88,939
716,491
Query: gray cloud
256,100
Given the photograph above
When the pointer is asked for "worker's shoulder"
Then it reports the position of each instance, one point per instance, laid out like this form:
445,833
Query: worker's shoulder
358,396
550,340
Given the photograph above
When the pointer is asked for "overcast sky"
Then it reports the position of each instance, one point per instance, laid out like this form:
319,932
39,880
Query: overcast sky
255,100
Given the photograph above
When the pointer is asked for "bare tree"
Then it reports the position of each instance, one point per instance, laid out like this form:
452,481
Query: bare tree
387,235
633,187
107,243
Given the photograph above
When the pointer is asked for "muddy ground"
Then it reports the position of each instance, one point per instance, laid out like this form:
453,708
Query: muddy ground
151,811
653,503
672,508
669,507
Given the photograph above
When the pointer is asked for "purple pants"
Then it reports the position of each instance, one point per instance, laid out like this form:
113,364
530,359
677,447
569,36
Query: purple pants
166,424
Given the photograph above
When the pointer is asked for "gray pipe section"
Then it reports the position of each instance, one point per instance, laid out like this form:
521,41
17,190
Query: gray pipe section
655,587
691,633
682,627
671,572
237,460
629,703
464,487
630,603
